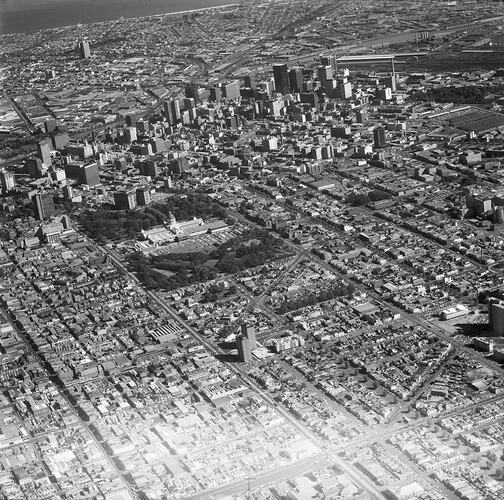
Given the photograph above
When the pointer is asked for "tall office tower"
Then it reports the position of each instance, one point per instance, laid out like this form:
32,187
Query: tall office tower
391,82
379,138
310,98
281,77
296,79
150,168
361,115
33,167
232,90
120,164
125,200
327,61
59,141
143,196
249,81
43,205
44,149
189,103
142,126
172,111
191,91
130,134
345,89
216,93
50,126
8,181
324,73
68,192
244,350
90,174
84,50
496,316
249,333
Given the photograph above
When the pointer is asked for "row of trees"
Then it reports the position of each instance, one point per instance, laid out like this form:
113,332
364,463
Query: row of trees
115,225
360,199
192,205
315,298
468,94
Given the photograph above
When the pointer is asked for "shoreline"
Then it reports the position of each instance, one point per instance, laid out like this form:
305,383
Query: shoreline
161,15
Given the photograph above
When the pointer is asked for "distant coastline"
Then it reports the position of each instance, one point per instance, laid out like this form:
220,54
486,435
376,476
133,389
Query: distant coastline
21,16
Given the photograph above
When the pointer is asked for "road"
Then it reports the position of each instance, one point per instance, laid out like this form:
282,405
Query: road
263,480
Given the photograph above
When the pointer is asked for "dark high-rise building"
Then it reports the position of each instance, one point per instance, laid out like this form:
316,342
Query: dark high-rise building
179,165
324,73
296,79
281,77
50,126
191,91
216,94
244,350
43,205
33,167
232,122
143,196
84,50
120,164
327,60
379,138
83,174
249,81
310,98
189,103
125,200
172,111
150,168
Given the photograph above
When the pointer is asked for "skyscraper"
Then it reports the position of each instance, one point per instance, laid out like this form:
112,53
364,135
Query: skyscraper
44,149
281,76
325,73
130,134
244,350
232,90
344,89
216,93
327,61
496,316
249,81
84,50
8,181
249,333
296,79
90,174
33,167
143,196
125,200
172,111
379,137
43,205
